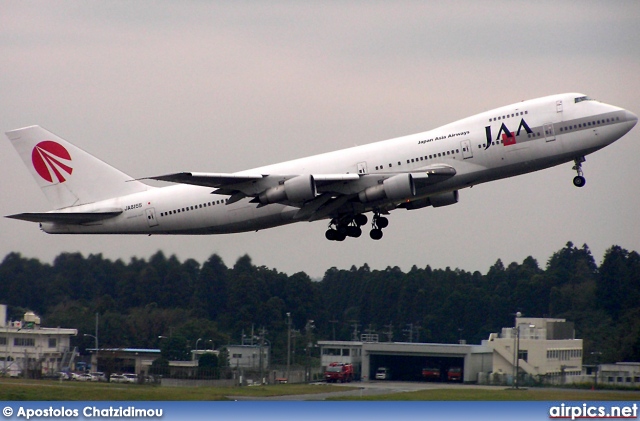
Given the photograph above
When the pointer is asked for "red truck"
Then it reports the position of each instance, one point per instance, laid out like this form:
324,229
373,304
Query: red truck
338,372
431,373
454,374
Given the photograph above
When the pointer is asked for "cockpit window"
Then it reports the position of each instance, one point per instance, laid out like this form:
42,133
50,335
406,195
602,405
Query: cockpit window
582,98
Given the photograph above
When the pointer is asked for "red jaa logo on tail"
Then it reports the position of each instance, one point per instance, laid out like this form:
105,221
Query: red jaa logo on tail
46,157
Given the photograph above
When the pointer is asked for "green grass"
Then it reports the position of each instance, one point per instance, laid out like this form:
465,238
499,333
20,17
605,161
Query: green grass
43,390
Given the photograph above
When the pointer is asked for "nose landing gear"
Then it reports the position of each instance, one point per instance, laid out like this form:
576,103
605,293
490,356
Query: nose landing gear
579,180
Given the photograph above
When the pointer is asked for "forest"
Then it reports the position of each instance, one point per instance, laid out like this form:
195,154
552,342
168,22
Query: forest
141,300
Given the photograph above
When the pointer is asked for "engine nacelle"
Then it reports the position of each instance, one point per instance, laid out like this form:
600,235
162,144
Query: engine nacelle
297,189
398,187
444,199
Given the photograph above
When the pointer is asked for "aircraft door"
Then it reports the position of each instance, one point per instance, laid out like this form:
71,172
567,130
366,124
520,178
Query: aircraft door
549,134
467,153
151,217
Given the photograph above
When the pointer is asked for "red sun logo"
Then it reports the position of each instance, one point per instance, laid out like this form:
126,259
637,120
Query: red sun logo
46,157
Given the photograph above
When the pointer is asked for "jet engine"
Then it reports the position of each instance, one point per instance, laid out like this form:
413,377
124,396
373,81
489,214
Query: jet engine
398,187
444,199
297,189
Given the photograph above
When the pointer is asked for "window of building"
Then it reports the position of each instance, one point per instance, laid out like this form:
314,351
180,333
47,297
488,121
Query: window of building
237,356
523,355
24,342
3,340
53,342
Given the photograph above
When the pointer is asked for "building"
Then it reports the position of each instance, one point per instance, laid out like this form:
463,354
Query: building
618,374
547,351
546,348
28,349
123,360
248,356
405,360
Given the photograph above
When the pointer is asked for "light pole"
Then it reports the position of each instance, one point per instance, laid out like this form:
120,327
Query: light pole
288,344
199,339
6,356
96,339
516,351
595,377
96,344
308,329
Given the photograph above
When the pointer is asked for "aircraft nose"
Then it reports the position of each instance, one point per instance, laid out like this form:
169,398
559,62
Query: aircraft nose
631,117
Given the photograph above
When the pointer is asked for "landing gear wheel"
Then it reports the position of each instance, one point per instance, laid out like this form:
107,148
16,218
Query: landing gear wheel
331,234
382,222
376,234
579,181
354,232
360,219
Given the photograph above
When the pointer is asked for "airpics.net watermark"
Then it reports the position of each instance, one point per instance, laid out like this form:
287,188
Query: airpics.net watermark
585,411
87,412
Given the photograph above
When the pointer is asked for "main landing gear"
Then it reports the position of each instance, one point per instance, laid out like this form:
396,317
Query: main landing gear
377,224
341,228
579,180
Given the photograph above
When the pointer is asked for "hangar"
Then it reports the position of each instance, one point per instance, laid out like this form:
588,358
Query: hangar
405,360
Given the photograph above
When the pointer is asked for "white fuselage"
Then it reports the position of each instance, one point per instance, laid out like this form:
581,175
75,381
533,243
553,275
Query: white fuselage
546,132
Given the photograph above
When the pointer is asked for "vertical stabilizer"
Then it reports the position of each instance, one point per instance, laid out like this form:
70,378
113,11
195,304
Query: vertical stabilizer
66,174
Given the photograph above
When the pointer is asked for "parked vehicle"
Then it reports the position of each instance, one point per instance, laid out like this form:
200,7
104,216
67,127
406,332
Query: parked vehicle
130,378
383,373
338,372
116,378
454,374
85,377
431,373
98,376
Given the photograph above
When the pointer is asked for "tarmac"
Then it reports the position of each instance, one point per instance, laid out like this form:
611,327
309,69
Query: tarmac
372,388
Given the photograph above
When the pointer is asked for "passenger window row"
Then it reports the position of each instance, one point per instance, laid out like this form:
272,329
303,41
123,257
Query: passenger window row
194,207
588,124
506,116
423,158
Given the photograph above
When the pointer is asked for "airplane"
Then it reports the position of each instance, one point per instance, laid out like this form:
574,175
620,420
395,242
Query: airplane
410,172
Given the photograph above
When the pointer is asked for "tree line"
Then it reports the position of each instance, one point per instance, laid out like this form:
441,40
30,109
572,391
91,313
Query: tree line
142,300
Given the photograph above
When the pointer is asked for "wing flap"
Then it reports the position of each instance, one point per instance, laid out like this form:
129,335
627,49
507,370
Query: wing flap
65,217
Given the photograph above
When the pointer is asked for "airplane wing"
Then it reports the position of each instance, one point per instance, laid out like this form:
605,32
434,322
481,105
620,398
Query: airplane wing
301,190
216,180
66,217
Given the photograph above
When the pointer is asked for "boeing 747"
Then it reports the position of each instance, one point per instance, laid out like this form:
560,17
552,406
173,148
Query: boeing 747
410,172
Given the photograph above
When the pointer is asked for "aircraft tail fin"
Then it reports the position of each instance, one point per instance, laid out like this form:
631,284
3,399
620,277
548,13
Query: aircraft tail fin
66,174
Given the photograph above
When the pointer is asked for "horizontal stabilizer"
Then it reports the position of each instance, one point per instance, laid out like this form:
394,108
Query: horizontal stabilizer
66,217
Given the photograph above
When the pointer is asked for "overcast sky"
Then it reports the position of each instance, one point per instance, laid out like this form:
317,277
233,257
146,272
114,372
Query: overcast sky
165,86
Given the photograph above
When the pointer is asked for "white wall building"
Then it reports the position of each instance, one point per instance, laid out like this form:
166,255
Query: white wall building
546,347
248,356
25,344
